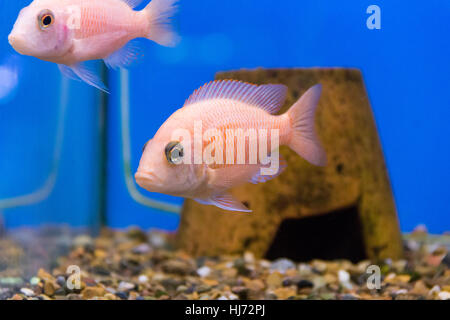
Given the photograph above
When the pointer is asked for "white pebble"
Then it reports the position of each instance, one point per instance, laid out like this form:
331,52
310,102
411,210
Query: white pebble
204,271
264,264
401,291
232,296
249,257
304,269
435,289
143,278
27,292
125,286
444,295
344,276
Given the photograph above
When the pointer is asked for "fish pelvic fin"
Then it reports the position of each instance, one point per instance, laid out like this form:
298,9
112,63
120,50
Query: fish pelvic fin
225,201
82,73
304,140
159,13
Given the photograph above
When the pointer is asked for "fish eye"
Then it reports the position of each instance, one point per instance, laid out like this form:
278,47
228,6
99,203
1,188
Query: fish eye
174,152
45,19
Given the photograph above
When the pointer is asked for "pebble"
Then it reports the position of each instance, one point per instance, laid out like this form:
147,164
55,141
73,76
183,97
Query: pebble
204,271
275,279
444,295
343,276
50,288
302,284
243,292
126,286
83,241
60,291
122,295
446,260
304,270
420,288
344,279
110,296
285,293
157,240
127,266
11,281
141,249
34,281
74,296
92,292
177,267
249,257
319,266
28,292
61,281
264,264
319,282
230,273
256,285
282,265
241,267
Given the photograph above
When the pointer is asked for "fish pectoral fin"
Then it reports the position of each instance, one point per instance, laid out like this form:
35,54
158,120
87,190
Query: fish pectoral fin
125,56
68,72
227,202
133,3
80,71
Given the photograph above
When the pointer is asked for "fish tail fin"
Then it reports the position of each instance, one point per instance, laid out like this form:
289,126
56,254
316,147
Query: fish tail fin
304,140
159,13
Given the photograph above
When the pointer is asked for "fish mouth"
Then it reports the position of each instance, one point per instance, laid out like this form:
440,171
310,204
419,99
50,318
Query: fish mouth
145,179
18,43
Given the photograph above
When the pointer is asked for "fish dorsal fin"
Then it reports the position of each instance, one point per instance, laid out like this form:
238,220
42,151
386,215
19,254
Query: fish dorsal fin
269,97
133,3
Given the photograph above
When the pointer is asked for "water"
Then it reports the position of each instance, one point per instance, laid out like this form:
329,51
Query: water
68,152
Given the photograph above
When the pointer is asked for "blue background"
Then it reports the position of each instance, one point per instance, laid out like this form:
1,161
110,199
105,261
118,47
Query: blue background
405,66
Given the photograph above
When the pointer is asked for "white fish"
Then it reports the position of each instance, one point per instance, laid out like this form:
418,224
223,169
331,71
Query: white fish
169,166
69,32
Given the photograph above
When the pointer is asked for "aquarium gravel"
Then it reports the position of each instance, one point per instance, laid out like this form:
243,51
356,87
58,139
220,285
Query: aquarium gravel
138,265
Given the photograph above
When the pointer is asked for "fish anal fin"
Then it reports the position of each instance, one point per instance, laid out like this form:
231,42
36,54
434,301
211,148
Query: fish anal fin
268,97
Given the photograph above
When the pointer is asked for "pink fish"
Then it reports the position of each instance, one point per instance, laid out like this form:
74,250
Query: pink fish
227,134
69,32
